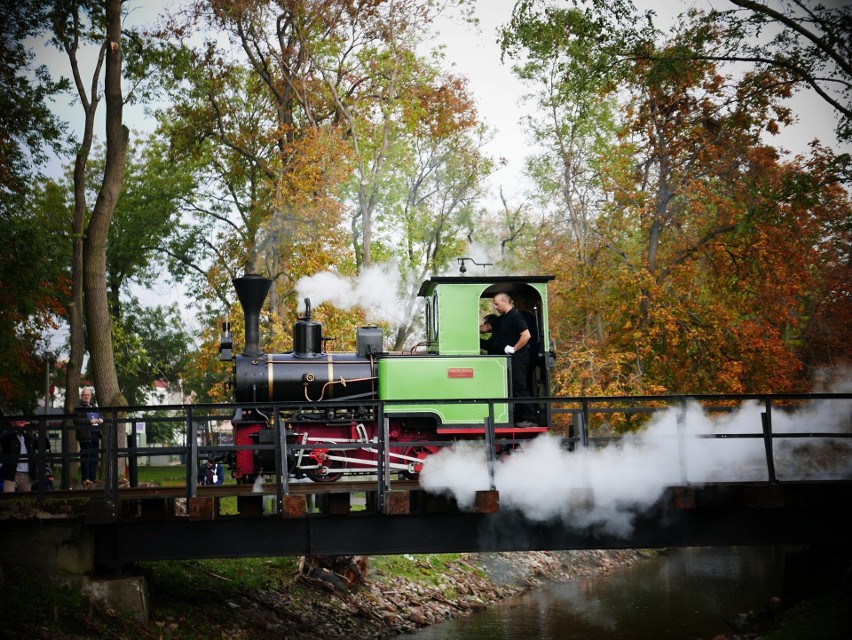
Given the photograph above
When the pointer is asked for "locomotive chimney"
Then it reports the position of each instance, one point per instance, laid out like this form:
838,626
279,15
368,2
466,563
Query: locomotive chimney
251,290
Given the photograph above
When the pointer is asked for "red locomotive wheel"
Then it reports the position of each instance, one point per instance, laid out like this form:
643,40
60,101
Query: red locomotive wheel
415,467
325,472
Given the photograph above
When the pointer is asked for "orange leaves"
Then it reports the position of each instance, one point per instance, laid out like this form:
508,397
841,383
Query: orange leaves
444,109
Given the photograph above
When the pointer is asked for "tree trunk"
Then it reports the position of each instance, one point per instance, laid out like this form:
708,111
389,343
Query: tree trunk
76,308
98,320
78,347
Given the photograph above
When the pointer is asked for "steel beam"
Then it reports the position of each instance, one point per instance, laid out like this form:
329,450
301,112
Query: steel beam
378,534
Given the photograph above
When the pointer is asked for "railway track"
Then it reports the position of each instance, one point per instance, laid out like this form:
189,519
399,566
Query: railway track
221,491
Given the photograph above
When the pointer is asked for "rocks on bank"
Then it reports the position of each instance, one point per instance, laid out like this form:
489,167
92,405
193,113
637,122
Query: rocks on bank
399,600
238,600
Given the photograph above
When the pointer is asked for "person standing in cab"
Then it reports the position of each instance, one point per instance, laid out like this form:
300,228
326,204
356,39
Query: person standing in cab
511,336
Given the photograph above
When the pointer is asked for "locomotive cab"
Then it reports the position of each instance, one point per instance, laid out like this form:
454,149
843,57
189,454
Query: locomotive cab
457,370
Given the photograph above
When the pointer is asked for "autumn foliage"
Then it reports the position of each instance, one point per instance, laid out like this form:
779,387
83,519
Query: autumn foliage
712,263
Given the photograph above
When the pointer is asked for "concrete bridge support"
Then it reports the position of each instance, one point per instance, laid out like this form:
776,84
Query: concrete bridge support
64,552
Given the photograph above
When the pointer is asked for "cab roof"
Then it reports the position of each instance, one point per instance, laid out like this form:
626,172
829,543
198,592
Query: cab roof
496,284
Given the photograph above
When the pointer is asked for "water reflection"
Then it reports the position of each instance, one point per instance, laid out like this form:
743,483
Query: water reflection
687,594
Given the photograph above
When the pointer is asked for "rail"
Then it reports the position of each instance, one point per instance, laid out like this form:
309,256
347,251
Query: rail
583,424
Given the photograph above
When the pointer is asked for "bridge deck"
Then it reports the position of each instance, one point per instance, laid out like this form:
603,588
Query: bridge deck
149,528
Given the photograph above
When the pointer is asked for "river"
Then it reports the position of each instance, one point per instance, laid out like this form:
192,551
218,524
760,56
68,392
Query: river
684,595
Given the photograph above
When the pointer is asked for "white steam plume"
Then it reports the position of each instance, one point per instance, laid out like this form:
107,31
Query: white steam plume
604,489
375,291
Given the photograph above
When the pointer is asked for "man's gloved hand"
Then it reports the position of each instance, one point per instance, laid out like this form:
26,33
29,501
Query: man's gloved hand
509,349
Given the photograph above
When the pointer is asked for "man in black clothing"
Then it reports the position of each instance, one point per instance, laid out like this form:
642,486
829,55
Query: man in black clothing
18,449
511,336
211,473
88,422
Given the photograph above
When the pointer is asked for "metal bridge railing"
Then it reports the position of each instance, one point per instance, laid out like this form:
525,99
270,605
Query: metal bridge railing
582,423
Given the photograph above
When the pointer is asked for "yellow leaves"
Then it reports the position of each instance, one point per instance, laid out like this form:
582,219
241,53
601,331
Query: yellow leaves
316,166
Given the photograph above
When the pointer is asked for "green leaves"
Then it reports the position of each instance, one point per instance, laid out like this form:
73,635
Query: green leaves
151,344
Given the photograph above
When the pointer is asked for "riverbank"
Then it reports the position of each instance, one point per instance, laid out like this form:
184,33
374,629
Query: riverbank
254,599
271,598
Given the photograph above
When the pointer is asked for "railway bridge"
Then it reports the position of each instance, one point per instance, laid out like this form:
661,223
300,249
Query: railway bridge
701,471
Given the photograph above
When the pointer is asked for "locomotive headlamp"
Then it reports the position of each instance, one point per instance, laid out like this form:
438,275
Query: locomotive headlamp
463,268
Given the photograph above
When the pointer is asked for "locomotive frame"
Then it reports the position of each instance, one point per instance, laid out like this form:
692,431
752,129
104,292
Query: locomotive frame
429,398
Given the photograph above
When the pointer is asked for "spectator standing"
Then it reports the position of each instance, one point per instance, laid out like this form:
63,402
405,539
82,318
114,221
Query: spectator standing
88,421
18,449
211,472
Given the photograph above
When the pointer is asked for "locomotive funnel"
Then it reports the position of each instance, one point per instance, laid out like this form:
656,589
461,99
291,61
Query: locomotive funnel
251,290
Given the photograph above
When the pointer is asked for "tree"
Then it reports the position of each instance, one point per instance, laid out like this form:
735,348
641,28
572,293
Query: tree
248,116
155,190
67,31
28,129
304,124
801,43
32,296
808,42
73,25
98,321
424,223
35,287
705,240
152,345
559,55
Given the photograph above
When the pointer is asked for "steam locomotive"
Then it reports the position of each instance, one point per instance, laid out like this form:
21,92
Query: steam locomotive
432,394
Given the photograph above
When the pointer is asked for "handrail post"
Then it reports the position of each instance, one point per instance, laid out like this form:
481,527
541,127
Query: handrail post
766,419
489,445
65,443
681,440
584,426
192,455
111,465
380,467
576,431
132,457
282,479
42,458
383,477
